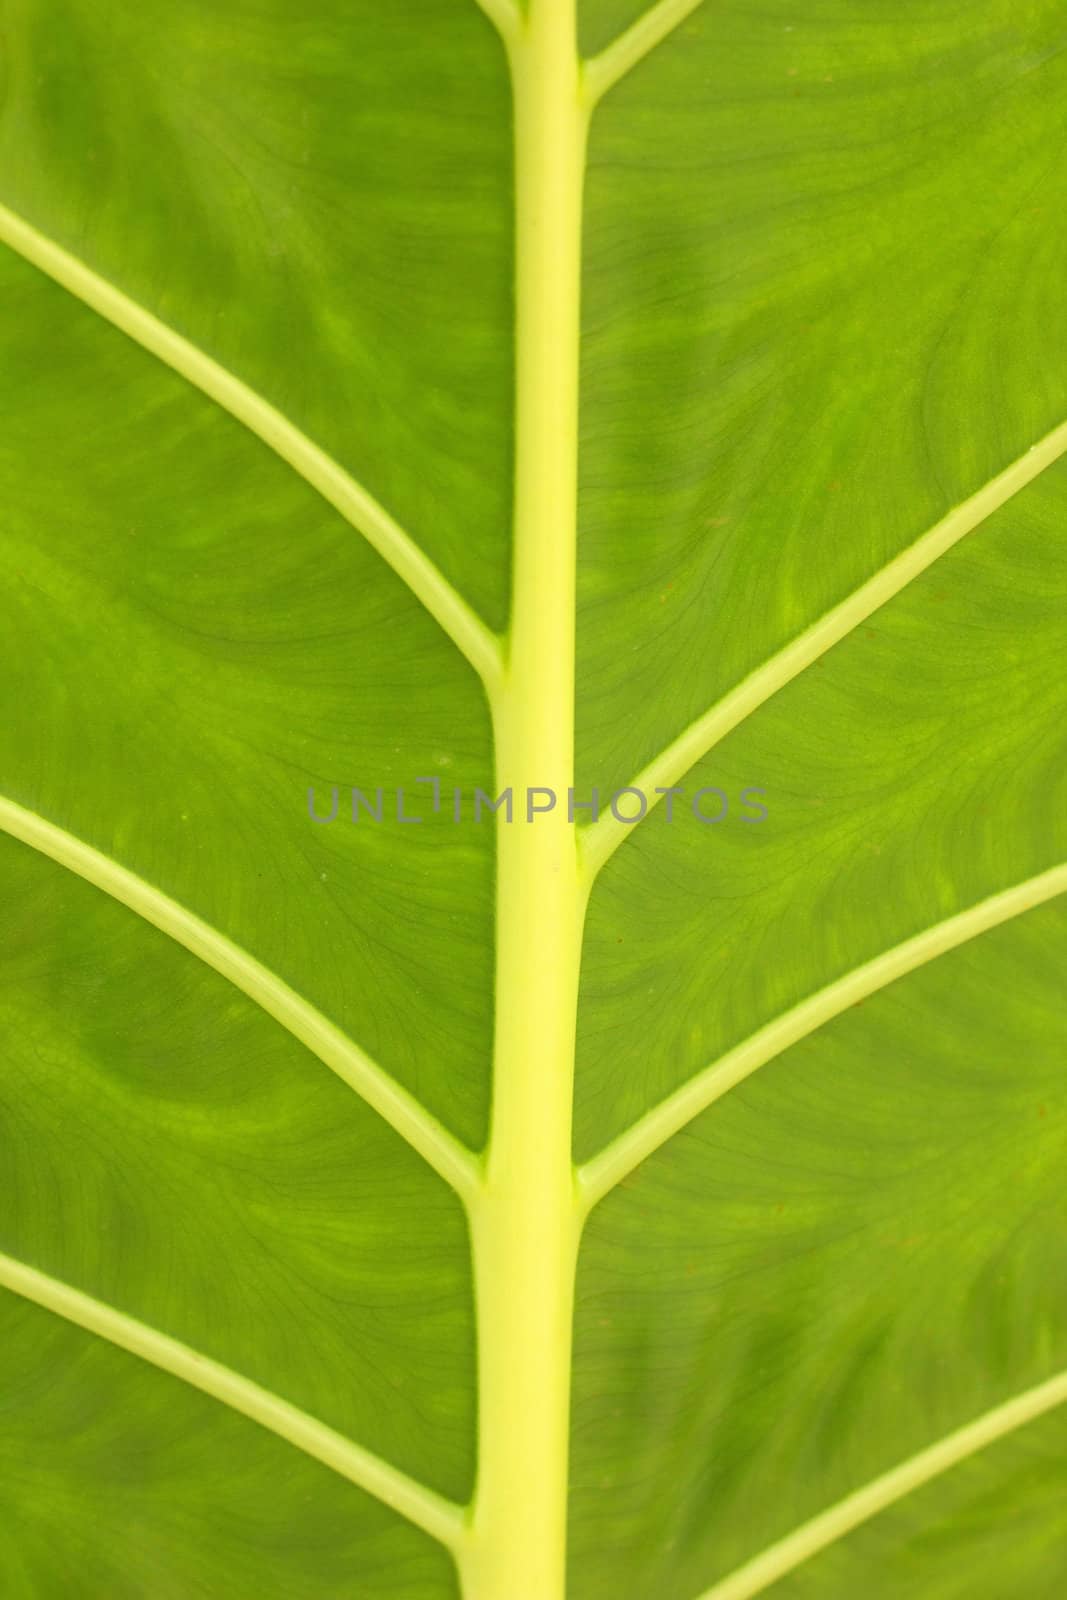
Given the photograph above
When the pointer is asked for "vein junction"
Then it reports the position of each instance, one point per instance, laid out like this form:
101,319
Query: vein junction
555,94
423,1132
429,1511
606,1170
466,630
600,840
603,71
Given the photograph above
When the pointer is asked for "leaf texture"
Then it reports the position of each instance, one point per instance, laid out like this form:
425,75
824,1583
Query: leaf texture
438,399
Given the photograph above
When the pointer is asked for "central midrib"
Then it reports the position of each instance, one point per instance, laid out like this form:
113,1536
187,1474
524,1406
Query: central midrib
526,1224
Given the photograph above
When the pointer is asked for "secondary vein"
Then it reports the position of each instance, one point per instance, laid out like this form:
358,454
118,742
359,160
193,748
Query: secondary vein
603,71
601,1174
806,1541
438,1517
450,1159
467,631
504,15
602,839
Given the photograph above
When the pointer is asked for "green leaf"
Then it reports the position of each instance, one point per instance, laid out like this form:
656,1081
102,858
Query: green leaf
463,397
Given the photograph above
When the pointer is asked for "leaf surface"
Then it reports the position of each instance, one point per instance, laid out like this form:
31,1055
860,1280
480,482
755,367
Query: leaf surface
307,440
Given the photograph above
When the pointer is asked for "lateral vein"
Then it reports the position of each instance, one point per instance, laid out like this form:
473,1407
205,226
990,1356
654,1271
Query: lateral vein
504,15
467,631
602,838
604,70
438,1517
829,1526
604,1171
450,1159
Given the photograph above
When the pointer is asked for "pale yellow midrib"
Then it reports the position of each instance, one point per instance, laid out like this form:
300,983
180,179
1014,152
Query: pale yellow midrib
605,1171
438,1517
602,839
603,71
467,631
841,1519
451,1160
601,74
524,1233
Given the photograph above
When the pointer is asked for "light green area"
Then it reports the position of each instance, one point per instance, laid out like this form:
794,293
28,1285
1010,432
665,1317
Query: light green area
824,250
735,353
848,1257
916,768
173,1152
121,1481
994,1526
319,197
198,640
